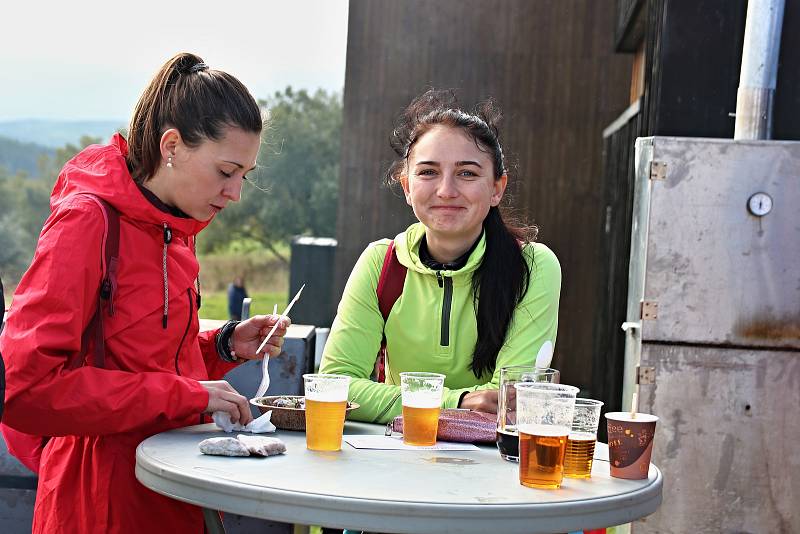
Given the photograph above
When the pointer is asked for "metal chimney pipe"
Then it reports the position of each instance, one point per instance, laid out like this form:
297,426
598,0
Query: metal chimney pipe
762,41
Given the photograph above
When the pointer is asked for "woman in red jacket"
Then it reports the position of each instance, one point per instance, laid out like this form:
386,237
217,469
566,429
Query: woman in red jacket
194,135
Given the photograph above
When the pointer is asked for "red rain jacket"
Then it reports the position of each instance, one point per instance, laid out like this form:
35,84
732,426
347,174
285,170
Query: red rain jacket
149,384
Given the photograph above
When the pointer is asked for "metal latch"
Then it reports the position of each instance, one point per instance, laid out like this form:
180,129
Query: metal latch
658,170
633,326
645,375
649,310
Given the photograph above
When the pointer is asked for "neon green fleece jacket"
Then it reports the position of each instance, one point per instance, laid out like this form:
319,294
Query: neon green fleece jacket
432,325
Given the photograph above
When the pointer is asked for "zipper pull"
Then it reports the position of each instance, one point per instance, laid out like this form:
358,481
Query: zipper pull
167,234
439,278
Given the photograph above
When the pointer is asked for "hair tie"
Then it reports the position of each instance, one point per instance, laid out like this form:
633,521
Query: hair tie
198,67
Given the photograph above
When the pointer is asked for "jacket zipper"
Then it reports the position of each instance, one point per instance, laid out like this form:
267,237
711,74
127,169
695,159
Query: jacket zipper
188,325
447,303
167,241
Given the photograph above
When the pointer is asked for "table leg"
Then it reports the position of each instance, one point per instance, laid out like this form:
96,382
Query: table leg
213,522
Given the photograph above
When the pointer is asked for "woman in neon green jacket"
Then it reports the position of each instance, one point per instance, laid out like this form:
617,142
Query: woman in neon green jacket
478,294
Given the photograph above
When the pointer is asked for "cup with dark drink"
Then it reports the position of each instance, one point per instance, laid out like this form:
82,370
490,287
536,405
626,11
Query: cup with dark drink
507,437
544,419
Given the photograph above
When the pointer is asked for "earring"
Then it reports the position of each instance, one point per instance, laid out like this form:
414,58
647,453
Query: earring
169,162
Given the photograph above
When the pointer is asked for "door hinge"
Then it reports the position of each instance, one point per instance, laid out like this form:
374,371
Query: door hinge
658,170
645,375
649,310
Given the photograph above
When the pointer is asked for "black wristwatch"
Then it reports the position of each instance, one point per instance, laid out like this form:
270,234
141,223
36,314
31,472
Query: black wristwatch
224,342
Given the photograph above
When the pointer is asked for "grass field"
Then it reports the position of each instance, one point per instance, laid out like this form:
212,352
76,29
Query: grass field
215,303
266,280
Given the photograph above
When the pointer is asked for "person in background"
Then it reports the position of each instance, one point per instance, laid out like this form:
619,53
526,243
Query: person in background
236,294
194,135
478,293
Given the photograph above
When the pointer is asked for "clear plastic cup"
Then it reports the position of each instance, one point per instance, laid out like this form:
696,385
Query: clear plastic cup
422,401
507,436
582,438
544,420
326,405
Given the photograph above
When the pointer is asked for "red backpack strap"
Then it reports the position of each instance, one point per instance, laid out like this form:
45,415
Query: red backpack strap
390,287
111,255
391,281
27,448
108,289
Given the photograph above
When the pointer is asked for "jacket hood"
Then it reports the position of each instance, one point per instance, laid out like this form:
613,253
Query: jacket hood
407,247
101,170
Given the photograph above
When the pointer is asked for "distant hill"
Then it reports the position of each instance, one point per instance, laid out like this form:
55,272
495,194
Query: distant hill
18,156
57,133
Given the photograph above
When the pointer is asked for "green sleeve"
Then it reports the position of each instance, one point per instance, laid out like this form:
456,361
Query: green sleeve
535,320
355,339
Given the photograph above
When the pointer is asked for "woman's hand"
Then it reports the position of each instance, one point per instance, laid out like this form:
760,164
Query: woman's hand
484,400
223,398
249,334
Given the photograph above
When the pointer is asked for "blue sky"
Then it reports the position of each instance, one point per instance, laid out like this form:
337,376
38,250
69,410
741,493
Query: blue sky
90,59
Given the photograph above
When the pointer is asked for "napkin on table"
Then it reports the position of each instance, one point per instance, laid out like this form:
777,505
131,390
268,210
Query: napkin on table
256,426
242,445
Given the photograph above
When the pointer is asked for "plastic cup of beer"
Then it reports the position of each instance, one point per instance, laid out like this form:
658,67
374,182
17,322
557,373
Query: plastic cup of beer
422,400
326,404
507,437
582,438
544,420
630,443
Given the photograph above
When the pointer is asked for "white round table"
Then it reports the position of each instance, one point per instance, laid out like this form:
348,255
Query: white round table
387,491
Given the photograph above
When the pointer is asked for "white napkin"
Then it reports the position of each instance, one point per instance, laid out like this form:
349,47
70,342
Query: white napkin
256,426
242,445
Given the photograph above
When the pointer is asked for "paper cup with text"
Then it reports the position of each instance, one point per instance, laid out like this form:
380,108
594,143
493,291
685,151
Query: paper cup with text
630,443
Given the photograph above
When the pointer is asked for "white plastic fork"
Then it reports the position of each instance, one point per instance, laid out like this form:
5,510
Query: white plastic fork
264,385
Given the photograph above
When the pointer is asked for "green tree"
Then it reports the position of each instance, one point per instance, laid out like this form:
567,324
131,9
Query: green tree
294,190
49,167
25,205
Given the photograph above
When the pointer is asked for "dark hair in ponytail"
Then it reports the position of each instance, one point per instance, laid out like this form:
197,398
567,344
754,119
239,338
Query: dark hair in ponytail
199,102
501,280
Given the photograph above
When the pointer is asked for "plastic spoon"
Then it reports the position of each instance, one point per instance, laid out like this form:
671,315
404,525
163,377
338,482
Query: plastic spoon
545,355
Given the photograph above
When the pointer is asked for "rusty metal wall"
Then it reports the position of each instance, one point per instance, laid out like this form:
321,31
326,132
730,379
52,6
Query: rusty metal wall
726,439
721,275
716,291
551,66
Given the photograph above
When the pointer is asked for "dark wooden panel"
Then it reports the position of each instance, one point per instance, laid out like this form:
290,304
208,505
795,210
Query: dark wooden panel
630,24
550,65
615,244
700,60
786,115
654,14
695,65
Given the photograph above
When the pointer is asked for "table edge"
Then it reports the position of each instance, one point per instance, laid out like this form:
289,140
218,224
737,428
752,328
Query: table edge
374,514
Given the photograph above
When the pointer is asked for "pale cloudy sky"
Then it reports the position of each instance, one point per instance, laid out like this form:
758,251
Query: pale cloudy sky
90,59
